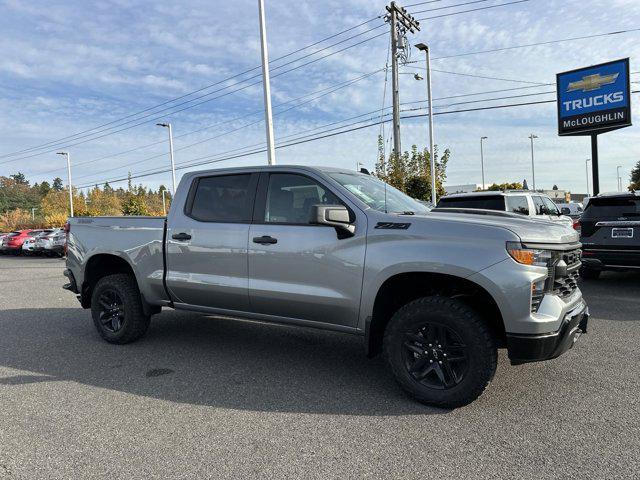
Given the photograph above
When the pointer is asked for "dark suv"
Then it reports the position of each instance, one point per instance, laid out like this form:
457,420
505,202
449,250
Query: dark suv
610,234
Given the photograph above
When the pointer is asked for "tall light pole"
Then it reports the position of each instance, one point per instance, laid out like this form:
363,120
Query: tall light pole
619,178
482,139
164,203
533,163
33,213
586,168
66,154
173,165
432,157
266,84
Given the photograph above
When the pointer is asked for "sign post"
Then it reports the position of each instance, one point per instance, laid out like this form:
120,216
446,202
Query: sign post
594,100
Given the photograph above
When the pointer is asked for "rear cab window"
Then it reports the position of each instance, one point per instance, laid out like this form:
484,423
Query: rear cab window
517,204
223,199
612,208
485,202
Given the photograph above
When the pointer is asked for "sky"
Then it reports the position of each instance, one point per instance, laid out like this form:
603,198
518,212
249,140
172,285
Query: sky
69,67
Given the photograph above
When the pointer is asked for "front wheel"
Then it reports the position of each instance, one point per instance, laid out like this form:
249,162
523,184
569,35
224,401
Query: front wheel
440,351
116,308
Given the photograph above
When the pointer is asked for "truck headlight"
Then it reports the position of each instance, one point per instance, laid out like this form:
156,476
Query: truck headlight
529,256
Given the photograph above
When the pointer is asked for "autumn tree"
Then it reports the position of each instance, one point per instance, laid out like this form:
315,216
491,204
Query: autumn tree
411,171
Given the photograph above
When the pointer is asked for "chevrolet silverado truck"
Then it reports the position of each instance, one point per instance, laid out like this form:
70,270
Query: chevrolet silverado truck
437,293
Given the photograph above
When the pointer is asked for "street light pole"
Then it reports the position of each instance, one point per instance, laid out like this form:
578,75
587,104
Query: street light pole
173,165
619,178
533,165
164,203
586,167
432,157
33,213
66,154
482,160
266,84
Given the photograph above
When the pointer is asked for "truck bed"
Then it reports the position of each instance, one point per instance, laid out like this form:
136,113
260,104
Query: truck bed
139,240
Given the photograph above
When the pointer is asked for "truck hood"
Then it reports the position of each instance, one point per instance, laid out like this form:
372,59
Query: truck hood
530,230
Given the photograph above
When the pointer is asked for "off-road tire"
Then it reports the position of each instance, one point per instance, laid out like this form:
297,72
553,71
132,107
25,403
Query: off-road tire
457,317
134,322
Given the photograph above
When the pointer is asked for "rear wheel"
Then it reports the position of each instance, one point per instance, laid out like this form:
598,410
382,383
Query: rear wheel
116,308
589,273
440,351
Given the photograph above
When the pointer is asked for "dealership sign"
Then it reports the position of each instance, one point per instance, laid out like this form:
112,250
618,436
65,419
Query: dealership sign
594,99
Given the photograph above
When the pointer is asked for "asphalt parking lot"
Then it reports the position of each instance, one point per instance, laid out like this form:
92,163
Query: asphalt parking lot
205,397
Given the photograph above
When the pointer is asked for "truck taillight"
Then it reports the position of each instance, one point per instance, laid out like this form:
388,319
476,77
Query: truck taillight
576,225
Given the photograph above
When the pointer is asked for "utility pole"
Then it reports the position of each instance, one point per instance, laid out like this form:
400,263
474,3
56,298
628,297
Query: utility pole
164,202
66,154
533,164
400,22
173,165
482,139
33,213
266,84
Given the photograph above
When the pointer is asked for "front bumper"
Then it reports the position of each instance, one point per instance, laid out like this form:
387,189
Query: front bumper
540,347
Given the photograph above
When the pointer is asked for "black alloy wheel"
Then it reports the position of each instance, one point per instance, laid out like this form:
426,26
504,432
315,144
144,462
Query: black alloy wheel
435,356
111,309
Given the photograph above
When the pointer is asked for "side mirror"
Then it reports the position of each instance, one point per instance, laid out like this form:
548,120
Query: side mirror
333,215
565,211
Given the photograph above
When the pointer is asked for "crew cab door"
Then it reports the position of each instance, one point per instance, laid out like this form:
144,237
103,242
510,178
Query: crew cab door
299,270
207,243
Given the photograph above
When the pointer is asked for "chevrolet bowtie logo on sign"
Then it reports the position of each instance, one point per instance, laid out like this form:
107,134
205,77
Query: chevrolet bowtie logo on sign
592,82
594,99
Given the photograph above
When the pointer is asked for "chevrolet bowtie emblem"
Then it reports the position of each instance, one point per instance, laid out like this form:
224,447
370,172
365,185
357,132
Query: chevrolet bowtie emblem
592,82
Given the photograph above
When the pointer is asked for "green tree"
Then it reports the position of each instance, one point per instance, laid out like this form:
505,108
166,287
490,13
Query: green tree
57,185
44,188
411,171
19,178
134,205
635,177
498,187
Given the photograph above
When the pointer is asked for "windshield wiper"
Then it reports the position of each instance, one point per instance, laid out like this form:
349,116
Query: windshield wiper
408,212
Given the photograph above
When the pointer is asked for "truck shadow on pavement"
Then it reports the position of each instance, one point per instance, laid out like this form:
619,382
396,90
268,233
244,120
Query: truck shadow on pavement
212,361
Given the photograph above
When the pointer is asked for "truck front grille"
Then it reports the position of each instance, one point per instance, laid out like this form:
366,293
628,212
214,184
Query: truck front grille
565,286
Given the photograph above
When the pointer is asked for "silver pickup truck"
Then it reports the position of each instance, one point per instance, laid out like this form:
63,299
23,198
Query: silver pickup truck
439,293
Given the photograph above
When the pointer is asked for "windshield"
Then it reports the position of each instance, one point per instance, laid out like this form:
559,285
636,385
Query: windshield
377,194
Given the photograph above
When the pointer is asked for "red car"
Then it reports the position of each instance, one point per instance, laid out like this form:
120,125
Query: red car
14,243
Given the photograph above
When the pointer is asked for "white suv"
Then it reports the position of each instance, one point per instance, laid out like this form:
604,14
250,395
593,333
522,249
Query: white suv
523,202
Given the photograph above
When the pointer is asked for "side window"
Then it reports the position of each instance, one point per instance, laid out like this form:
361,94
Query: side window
537,201
518,204
290,198
225,198
552,208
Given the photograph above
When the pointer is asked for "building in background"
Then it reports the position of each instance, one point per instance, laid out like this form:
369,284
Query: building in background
464,188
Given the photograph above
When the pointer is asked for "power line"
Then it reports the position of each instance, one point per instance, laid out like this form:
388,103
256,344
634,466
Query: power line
473,10
77,136
323,92
537,44
485,77
422,3
448,6
327,135
199,103
202,88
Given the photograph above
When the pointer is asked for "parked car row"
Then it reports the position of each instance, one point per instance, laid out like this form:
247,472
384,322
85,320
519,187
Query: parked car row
609,224
49,242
